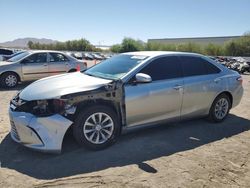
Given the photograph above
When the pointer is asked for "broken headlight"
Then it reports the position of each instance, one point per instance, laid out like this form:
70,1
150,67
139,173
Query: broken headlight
49,107
45,107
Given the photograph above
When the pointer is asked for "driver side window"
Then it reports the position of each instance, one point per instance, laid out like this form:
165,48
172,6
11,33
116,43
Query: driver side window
163,68
36,58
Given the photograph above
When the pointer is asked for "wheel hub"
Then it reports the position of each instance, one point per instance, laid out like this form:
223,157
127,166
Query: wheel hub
98,127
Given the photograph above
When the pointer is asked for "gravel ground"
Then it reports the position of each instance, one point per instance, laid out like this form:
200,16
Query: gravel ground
188,154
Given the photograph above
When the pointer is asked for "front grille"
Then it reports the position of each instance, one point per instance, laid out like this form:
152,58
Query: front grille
14,131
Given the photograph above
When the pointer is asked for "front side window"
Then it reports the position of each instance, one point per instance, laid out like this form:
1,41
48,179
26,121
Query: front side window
163,68
115,67
56,57
36,58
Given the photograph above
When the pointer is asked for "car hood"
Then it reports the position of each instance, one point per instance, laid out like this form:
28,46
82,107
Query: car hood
6,63
56,86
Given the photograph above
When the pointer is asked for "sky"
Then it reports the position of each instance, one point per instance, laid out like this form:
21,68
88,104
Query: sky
107,22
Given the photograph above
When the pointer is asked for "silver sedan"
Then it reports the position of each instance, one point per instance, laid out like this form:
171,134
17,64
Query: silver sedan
127,90
33,65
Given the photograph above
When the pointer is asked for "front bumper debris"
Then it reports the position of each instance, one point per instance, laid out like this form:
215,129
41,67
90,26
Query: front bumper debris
39,133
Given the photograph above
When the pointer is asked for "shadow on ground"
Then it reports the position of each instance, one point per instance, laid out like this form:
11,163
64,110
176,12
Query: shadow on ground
17,88
132,148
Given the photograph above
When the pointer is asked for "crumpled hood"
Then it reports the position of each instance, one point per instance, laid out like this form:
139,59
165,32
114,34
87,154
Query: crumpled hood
56,86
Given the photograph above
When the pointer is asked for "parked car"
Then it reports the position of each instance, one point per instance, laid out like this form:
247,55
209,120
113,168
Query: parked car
4,51
6,57
33,65
88,56
97,56
127,90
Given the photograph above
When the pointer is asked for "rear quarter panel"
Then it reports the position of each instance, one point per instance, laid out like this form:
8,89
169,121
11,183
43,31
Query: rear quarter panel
234,87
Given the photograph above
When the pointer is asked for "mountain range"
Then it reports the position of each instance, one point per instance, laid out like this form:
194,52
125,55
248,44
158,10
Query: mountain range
22,42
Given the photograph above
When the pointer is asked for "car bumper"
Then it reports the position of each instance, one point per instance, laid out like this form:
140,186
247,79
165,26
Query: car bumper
40,133
237,96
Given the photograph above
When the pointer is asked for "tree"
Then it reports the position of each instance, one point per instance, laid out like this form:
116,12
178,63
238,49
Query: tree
131,45
189,47
214,50
30,44
116,48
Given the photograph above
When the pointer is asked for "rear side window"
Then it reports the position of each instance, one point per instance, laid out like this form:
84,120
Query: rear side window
193,66
211,69
163,68
56,57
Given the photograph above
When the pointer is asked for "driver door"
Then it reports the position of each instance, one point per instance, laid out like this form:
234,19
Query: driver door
35,66
158,100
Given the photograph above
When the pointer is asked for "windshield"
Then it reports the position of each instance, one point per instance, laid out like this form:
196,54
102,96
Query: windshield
115,67
18,57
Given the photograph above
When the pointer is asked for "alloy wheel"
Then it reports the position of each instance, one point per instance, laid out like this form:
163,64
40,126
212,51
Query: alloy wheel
221,108
98,128
11,80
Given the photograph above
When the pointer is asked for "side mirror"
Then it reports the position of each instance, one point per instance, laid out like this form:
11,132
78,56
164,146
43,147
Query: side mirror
143,78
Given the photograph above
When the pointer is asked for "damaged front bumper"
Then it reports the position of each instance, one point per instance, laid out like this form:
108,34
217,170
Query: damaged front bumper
39,133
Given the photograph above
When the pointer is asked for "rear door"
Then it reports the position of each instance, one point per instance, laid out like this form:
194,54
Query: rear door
57,63
159,100
35,66
201,85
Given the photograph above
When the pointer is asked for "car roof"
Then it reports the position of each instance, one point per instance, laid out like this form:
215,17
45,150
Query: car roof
157,53
46,51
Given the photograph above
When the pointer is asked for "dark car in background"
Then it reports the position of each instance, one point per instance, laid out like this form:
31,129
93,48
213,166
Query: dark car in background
4,51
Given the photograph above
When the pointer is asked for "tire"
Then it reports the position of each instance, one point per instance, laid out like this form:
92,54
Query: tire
86,132
9,80
220,108
72,70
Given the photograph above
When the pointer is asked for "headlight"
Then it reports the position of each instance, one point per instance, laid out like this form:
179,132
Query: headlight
49,107
42,106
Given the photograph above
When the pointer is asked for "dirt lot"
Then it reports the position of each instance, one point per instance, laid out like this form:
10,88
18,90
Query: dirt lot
187,154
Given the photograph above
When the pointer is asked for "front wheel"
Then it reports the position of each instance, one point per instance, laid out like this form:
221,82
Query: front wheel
9,80
96,127
220,108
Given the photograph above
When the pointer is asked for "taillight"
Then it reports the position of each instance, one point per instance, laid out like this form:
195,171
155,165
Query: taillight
78,68
240,79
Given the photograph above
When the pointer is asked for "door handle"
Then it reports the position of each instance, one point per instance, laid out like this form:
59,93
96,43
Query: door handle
45,64
177,87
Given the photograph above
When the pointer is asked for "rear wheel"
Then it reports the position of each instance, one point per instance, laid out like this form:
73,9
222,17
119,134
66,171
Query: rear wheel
9,80
72,70
220,108
96,127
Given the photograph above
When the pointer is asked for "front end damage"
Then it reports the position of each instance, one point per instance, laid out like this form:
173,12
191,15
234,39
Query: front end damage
42,124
